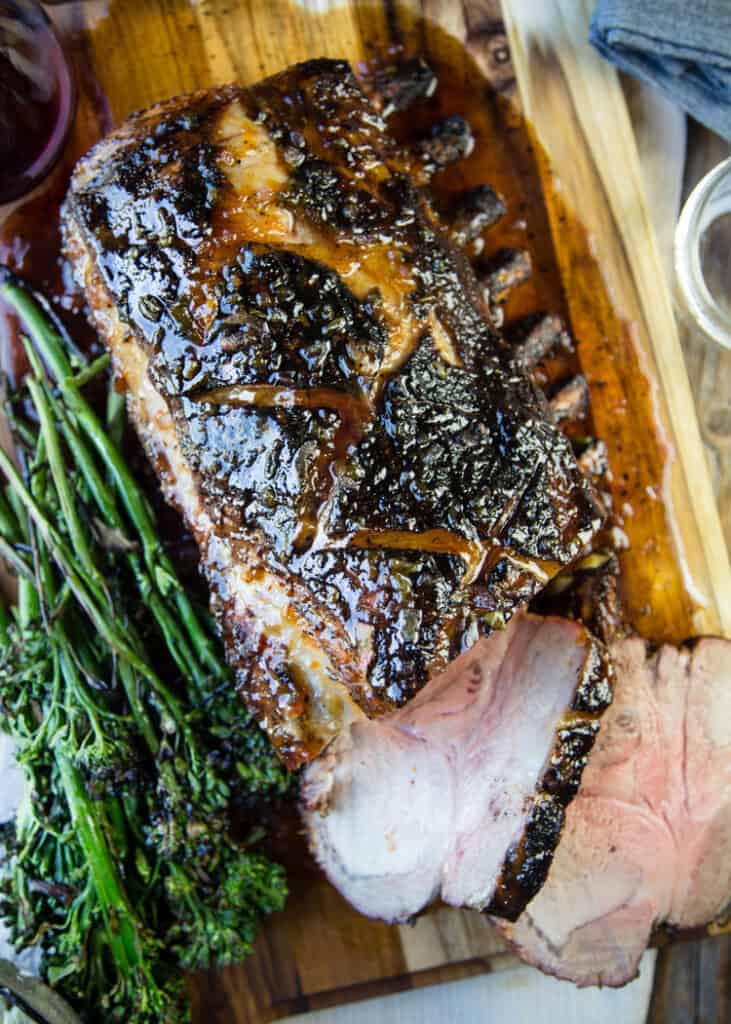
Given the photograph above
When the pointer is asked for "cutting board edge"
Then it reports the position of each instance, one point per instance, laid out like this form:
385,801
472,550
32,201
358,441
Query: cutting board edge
686,445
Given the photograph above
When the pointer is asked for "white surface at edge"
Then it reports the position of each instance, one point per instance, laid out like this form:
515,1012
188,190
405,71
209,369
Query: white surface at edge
11,780
520,996
12,789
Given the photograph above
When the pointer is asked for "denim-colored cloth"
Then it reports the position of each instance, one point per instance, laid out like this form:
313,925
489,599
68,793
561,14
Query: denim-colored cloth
681,46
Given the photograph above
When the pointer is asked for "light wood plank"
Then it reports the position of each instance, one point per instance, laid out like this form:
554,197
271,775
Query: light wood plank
660,131
709,367
582,120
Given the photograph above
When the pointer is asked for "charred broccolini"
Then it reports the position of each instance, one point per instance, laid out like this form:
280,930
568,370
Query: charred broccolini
122,863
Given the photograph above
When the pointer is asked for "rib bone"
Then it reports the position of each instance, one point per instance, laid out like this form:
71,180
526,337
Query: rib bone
401,85
449,140
537,336
572,401
506,270
476,209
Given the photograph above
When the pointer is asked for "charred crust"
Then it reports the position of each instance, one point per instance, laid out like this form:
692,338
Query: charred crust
594,692
690,643
597,603
404,598
301,105
285,320
498,594
526,865
458,443
454,448
330,200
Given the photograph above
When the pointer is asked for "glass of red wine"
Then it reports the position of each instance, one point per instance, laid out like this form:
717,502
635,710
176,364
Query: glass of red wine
37,97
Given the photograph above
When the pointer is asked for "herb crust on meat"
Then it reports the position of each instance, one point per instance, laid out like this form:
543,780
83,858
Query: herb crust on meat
372,478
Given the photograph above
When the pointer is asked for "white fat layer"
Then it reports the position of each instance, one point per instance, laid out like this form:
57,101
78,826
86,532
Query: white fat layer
269,606
248,154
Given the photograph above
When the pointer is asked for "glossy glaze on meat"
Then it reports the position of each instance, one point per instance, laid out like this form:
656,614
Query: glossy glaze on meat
371,476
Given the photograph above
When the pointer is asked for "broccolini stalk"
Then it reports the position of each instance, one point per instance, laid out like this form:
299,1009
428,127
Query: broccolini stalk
123,868
41,846
51,347
104,497
88,593
124,939
51,440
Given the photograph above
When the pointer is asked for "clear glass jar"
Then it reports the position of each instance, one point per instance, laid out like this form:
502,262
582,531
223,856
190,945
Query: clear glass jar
703,256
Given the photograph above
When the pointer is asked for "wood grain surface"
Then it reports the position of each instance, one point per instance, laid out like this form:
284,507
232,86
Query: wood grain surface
576,200
693,984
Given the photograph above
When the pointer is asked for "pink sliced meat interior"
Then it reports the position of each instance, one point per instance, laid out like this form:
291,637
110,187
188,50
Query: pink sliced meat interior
461,794
648,839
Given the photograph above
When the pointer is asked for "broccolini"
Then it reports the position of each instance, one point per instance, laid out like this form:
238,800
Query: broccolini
124,864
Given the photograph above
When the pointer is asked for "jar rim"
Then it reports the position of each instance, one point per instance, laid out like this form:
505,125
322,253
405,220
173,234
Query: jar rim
694,219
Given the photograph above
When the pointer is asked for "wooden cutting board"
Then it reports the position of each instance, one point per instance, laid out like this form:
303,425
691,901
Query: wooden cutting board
572,178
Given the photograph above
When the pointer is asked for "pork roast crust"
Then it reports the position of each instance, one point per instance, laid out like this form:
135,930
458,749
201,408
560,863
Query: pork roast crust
372,480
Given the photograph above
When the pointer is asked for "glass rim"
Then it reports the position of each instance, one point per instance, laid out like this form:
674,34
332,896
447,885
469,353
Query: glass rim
51,154
711,318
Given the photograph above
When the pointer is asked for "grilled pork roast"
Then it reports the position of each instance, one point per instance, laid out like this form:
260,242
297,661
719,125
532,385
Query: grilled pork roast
371,476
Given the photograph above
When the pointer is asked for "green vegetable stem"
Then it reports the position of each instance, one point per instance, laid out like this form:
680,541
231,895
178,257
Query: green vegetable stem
134,857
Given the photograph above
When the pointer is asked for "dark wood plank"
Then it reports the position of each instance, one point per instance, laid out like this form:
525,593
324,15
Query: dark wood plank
693,983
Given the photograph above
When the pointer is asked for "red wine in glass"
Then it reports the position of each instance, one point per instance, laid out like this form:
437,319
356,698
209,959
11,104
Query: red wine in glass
36,97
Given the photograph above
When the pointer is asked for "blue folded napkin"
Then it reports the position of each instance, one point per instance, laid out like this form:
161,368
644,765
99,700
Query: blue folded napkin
681,46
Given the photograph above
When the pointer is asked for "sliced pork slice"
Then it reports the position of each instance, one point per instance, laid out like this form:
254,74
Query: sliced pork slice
461,794
648,839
